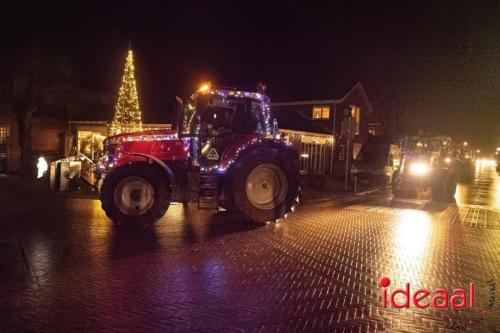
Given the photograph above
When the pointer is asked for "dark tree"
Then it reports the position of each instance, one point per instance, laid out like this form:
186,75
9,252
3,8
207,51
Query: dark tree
45,84
29,96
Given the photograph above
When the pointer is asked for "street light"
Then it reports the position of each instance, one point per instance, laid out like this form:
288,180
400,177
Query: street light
465,143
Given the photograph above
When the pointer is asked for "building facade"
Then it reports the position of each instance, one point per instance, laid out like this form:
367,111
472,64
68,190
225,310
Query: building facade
54,139
318,129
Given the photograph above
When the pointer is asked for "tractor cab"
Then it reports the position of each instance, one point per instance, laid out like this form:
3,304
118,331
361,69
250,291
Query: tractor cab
216,118
436,151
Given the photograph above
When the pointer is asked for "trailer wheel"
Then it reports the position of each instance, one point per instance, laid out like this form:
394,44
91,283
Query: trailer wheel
137,193
263,188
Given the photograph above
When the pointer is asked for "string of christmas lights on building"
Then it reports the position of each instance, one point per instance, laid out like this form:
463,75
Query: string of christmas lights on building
307,137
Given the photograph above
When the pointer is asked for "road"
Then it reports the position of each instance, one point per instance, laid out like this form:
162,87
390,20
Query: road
64,267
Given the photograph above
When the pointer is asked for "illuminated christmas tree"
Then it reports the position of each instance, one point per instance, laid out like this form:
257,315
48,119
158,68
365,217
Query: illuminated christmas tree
127,112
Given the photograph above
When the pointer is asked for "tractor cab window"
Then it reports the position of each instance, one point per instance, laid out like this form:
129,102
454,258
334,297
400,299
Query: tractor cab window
258,121
217,120
225,119
223,116
239,120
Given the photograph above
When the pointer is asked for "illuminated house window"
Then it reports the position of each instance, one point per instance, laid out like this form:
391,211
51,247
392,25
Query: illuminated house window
90,143
321,112
356,116
4,138
4,133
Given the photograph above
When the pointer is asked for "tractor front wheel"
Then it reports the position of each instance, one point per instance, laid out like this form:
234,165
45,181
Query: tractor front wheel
137,193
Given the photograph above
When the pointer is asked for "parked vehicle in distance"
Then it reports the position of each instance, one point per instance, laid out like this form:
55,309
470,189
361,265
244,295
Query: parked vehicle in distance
428,162
223,152
464,159
377,161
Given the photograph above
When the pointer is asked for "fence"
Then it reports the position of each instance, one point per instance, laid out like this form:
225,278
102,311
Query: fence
315,150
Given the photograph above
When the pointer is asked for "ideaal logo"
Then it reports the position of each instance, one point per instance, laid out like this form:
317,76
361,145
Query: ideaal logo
440,298
458,298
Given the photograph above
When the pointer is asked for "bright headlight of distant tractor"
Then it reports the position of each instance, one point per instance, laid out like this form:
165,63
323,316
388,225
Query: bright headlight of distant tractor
419,168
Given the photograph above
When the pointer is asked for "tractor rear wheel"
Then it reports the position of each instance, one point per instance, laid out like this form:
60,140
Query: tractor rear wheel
137,193
396,191
444,187
451,187
263,188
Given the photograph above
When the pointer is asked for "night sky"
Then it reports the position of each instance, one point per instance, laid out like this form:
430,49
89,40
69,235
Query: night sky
424,65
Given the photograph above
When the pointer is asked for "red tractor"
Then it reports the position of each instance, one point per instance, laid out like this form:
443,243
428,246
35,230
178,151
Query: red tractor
224,152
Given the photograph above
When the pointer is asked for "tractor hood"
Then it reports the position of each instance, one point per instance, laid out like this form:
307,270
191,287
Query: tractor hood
160,144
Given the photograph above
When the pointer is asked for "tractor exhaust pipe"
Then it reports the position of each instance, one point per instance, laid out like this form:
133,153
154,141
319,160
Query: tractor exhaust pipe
178,122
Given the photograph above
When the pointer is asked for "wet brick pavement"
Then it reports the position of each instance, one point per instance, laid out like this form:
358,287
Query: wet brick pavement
195,271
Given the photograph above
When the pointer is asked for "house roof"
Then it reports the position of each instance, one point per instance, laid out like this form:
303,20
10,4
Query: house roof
300,122
358,87
296,114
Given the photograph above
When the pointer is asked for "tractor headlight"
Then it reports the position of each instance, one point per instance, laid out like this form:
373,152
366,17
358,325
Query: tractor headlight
419,169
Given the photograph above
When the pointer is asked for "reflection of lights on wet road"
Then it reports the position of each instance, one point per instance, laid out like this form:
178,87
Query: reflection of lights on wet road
214,276
412,235
486,191
463,193
495,192
411,243
41,255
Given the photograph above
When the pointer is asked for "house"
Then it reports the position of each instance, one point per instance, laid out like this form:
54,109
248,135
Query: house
54,138
56,128
318,129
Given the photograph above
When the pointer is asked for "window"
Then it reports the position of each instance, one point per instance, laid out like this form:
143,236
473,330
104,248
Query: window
356,116
239,121
4,137
90,143
321,112
258,121
231,118
4,133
